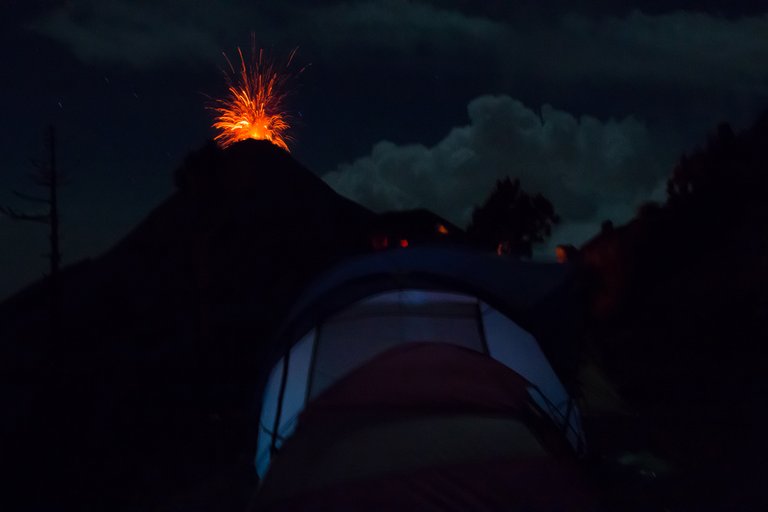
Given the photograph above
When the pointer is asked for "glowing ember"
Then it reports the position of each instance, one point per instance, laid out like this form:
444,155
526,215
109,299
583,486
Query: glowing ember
255,104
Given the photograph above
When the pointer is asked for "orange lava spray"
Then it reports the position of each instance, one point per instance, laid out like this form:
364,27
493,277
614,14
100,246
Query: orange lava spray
254,107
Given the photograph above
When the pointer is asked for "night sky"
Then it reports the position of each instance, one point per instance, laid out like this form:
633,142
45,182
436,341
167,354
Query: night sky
404,104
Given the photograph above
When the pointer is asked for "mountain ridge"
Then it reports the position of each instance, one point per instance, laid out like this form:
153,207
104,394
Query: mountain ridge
159,340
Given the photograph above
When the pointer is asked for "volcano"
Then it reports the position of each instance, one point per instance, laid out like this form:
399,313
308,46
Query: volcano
144,388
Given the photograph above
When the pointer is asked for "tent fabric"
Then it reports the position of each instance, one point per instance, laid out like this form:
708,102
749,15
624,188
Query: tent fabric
416,409
530,484
531,294
468,270
519,350
404,368
389,319
355,448
426,376
375,324
293,399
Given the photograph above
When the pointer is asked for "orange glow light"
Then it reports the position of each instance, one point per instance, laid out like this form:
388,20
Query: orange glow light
442,229
254,107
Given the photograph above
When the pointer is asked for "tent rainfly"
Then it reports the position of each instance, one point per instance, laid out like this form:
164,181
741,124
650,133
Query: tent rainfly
424,378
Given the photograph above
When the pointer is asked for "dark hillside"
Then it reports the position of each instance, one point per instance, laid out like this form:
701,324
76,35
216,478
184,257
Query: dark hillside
681,319
144,391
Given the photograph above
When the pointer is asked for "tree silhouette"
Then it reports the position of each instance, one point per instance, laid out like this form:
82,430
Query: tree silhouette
510,220
701,177
47,176
722,186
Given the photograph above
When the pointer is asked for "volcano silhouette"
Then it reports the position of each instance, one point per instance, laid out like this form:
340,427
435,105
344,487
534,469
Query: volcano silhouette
141,393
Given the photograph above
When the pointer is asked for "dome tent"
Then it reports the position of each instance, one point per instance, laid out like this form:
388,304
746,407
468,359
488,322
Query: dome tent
423,365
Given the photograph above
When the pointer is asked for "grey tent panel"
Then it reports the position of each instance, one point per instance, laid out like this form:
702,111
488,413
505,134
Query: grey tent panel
375,325
532,294
517,312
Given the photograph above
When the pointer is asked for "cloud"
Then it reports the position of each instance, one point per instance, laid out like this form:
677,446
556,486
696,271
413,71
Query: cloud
142,35
151,34
676,48
696,51
590,169
401,25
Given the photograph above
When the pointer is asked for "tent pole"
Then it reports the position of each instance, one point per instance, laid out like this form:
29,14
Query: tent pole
481,328
312,359
283,384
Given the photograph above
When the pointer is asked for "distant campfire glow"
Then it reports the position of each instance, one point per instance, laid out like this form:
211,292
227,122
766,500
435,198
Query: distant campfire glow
254,107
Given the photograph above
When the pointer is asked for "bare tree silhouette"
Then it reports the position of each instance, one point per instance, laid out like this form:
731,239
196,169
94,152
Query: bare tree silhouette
46,175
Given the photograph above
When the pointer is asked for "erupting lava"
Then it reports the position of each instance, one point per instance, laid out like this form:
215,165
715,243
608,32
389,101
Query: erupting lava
255,104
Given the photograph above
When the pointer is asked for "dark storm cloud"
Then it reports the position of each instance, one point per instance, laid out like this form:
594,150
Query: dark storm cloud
144,34
536,9
591,169
151,34
673,49
400,24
